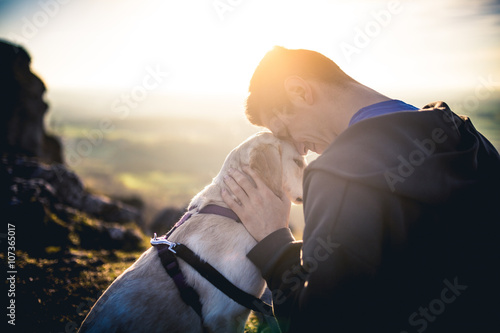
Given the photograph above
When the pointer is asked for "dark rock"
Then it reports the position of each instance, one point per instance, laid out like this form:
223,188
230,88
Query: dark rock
60,185
165,220
54,213
108,236
23,108
133,201
39,232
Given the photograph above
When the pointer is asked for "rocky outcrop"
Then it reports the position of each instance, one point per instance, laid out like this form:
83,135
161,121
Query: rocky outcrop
65,187
53,210
23,108
44,199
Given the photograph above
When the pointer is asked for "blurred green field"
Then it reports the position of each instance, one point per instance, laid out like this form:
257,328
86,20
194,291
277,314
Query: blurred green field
163,160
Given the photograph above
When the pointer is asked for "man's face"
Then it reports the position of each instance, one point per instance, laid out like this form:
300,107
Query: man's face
303,128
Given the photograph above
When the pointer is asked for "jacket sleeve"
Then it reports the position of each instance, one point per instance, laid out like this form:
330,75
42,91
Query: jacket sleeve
341,252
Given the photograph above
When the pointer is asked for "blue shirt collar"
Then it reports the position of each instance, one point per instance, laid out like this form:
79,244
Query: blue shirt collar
381,108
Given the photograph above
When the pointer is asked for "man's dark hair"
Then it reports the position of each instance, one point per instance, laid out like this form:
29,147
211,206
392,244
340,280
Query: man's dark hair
266,90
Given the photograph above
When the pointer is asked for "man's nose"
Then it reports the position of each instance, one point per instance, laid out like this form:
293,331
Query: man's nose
301,148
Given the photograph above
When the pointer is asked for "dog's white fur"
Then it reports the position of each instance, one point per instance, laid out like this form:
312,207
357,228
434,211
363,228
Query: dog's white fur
145,299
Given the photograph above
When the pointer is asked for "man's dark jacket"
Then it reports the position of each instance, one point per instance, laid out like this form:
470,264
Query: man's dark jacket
402,231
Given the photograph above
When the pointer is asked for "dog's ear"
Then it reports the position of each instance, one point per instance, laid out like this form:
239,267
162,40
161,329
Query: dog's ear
265,159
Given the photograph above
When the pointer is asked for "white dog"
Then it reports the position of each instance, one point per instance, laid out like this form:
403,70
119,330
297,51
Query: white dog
145,299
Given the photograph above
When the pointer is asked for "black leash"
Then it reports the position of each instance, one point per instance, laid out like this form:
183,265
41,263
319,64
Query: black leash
171,265
220,282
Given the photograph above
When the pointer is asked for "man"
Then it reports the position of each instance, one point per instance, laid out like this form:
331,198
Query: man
401,220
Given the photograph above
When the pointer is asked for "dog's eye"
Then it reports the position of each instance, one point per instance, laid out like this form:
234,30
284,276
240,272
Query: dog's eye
299,163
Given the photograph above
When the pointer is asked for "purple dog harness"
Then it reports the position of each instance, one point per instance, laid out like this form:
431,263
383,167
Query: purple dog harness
169,251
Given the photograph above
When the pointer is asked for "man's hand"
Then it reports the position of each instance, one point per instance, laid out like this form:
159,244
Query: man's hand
260,210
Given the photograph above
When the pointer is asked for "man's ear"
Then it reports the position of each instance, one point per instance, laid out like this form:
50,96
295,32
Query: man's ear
298,90
265,159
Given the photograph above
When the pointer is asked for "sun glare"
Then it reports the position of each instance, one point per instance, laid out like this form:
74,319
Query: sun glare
208,49
201,51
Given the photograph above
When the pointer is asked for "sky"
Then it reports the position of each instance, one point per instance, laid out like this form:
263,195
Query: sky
401,48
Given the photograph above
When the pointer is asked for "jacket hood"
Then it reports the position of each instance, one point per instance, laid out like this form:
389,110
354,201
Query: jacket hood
396,152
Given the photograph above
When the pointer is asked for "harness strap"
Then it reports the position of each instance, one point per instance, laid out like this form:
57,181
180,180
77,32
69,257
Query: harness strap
208,209
171,265
169,251
221,211
184,218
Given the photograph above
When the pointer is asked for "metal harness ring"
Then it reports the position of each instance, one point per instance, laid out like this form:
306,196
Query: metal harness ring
162,240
